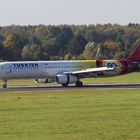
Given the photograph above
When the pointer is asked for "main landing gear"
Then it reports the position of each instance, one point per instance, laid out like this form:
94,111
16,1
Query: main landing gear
5,84
79,84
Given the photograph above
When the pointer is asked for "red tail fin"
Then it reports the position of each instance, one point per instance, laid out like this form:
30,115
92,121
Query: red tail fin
135,55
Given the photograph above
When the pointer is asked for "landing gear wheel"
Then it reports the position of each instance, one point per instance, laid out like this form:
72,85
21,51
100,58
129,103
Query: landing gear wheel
64,85
79,84
5,86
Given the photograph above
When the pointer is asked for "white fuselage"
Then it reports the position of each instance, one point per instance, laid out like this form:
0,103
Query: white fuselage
38,69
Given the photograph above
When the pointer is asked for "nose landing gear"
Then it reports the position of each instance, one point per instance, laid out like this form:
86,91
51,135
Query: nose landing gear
5,84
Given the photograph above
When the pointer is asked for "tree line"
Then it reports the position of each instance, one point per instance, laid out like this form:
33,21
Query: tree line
68,42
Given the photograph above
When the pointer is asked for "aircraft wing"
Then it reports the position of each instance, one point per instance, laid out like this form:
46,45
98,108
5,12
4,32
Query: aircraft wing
89,71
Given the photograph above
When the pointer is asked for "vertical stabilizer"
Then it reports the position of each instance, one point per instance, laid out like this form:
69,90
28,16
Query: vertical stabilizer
135,55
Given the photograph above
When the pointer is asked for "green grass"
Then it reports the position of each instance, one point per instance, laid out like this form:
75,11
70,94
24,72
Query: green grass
70,115
128,78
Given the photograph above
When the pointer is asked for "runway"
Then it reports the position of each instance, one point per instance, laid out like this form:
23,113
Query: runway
60,88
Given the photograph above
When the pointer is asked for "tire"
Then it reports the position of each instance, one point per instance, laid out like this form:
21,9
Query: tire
79,84
64,85
4,86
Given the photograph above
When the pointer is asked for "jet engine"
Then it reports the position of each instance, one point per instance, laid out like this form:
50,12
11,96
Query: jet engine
66,79
47,80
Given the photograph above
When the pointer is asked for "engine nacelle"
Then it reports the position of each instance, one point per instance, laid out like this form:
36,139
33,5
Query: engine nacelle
47,80
66,79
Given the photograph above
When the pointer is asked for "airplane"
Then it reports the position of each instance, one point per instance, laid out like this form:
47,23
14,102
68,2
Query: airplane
68,72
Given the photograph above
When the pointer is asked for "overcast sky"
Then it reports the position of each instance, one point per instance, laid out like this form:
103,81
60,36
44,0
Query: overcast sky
34,12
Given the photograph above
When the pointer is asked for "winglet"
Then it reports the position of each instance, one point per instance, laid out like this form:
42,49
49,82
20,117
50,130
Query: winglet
135,55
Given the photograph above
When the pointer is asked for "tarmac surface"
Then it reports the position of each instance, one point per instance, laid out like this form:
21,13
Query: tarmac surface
60,88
